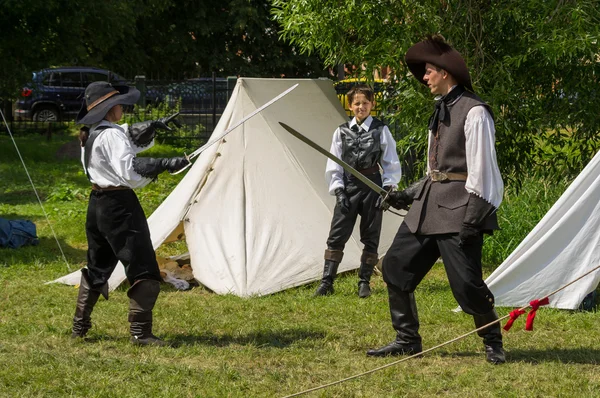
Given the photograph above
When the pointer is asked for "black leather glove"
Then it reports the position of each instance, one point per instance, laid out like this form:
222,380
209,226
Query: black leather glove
163,122
478,210
342,200
143,133
152,167
174,164
399,200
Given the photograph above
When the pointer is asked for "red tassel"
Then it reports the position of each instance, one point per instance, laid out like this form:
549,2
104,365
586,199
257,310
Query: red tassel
513,316
535,304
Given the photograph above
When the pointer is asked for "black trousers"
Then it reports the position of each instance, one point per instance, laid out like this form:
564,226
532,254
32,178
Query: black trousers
117,230
411,256
362,202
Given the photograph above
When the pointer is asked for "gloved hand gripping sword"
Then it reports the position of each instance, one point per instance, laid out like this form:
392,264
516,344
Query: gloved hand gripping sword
387,197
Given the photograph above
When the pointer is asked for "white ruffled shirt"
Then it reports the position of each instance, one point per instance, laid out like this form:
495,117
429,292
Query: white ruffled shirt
111,161
392,171
484,179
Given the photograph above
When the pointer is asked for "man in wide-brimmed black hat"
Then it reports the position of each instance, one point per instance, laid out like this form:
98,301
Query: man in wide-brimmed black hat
451,208
116,226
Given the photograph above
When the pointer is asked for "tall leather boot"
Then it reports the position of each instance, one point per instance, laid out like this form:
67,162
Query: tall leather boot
329,273
142,297
405,320
367,264
492,337
86,299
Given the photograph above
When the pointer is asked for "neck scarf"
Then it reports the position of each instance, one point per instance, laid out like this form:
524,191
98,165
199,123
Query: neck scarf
441,112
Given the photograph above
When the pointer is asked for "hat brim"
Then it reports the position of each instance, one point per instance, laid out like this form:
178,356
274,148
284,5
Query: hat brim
442,56
127,96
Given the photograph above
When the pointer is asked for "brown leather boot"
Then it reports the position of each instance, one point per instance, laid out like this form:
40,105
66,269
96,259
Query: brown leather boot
142,297
86,299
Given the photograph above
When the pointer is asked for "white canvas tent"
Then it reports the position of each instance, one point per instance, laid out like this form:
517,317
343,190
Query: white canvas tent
254,207
564,245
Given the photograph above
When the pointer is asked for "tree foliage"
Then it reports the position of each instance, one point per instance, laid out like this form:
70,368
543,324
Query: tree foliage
159,38
536,62
40,33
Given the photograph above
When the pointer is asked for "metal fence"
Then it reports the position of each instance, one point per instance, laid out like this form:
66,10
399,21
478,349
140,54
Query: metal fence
200,103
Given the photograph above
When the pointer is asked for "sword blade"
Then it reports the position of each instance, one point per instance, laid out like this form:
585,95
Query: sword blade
236,125
339,161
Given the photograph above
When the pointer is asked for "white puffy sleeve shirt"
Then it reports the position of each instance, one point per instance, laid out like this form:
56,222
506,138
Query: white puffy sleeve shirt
111,161
392,171
484,179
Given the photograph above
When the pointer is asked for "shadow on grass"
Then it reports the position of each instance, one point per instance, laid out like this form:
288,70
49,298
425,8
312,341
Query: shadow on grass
583,355
272,339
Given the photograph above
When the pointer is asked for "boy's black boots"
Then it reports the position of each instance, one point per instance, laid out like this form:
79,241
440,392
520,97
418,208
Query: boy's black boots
142,297
492,337
329,273
405,321
367,265
86,299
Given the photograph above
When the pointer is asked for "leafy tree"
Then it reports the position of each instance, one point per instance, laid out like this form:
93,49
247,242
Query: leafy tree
41,33
230,37
536,62
162,38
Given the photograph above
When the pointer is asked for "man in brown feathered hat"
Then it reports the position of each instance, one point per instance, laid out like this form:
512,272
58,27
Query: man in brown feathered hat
450,208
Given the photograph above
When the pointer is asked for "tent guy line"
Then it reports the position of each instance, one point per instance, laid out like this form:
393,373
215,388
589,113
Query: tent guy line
35,191
534,304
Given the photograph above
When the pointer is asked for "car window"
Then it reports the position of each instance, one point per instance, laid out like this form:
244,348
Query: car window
71,79
51,79
116,78
90,77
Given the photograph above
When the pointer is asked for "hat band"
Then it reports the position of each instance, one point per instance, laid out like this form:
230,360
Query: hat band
103,98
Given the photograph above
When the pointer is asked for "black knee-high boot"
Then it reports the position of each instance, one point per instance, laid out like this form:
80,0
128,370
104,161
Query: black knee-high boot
86,299
329,273
367,265
405,321
492,337
142,297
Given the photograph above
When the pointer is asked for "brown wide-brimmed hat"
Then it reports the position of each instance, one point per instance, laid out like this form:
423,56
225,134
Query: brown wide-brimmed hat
436,51
100,97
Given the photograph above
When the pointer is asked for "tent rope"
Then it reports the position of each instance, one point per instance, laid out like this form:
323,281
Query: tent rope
35,190
435,347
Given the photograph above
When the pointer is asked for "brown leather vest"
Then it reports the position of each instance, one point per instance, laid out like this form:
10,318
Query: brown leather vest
439,207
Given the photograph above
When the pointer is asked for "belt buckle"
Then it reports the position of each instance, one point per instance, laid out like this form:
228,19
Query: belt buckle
438,176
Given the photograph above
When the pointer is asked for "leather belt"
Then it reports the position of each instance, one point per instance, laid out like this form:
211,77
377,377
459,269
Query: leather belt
439,176
369,171
104,189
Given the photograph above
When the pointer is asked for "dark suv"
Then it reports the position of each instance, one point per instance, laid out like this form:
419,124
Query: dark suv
55,94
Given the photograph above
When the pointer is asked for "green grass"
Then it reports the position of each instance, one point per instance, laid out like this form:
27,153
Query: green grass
258,347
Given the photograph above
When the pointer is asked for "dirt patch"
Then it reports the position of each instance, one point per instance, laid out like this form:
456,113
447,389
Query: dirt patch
70,150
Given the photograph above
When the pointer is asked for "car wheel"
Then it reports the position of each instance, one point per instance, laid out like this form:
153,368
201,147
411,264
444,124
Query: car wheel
46,114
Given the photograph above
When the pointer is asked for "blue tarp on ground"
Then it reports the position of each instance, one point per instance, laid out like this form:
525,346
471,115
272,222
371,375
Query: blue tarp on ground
17,233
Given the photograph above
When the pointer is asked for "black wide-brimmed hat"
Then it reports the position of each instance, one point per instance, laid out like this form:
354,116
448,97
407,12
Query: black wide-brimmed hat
100,97
436,51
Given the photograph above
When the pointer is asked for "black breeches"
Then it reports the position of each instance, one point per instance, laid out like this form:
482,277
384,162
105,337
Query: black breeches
411,256
362,202
117,230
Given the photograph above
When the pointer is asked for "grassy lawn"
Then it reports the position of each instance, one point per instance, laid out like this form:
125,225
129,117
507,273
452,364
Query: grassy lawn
269,346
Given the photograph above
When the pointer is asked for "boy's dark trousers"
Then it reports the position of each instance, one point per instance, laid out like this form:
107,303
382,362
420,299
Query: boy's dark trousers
363,202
